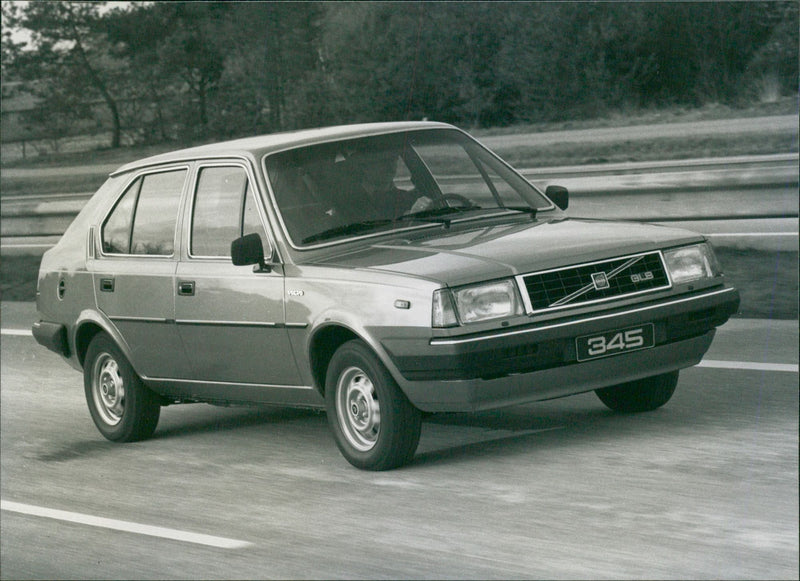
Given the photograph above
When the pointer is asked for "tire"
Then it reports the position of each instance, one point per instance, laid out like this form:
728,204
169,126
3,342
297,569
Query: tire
122,407
642,395
373,423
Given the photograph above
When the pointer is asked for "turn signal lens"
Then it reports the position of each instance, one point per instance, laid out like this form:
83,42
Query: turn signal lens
444,315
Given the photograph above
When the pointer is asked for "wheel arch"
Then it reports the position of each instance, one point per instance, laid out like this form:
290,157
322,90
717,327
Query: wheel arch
86,330
83,336
323,344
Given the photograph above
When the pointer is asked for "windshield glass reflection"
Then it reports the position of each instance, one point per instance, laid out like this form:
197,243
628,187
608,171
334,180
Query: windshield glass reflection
358,186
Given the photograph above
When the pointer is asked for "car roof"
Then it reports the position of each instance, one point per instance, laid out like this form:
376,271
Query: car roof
256,147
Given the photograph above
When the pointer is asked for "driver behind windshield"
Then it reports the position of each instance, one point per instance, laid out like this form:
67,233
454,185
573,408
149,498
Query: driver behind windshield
374,173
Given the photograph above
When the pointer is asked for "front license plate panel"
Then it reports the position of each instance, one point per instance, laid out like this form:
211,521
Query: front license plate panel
615,342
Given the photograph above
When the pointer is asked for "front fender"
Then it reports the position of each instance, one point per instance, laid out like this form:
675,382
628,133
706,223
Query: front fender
327,333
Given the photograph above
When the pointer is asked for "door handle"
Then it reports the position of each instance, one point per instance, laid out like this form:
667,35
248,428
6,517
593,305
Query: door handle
186,288
107,285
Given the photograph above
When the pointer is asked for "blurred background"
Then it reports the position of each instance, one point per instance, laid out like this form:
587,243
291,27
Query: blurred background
80,76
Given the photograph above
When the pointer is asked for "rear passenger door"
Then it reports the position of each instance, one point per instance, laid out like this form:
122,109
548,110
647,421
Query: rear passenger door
231,319
134,269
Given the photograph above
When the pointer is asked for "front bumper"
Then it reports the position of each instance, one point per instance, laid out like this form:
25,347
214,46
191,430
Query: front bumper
539,362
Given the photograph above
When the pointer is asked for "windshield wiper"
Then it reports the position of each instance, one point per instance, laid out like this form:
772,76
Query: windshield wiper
525,209
353,228
437,215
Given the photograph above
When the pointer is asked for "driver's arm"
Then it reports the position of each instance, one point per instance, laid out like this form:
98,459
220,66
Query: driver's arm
421,204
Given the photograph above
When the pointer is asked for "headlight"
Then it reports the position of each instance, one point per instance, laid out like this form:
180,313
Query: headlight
476,303
691,263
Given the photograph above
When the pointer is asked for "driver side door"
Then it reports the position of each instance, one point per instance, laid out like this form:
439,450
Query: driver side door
231,319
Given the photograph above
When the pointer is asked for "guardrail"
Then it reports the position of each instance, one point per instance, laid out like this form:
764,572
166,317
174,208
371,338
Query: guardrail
717,188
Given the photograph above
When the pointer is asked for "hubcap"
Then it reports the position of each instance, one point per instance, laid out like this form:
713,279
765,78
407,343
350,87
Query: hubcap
108,389
357,408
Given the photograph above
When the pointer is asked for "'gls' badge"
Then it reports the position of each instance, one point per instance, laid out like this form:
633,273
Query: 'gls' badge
600,281
641,277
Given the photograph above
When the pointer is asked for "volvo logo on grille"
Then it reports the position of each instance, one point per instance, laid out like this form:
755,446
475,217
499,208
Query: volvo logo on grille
600,281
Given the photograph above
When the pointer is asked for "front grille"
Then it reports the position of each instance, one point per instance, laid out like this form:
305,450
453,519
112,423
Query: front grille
596,281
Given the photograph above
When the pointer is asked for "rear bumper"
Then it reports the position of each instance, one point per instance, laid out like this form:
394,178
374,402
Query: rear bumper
51,335
540,362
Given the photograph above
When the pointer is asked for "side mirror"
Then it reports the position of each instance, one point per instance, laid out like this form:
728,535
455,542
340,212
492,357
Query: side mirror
249,250
559,196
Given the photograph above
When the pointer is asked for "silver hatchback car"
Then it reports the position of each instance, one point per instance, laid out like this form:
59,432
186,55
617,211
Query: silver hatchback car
378,271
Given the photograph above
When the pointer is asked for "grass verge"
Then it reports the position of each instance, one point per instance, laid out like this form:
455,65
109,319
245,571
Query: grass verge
767,281
66,184
553,154
656,149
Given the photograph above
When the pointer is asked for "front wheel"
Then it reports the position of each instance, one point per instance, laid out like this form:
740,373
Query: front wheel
373,423
122,407
642,395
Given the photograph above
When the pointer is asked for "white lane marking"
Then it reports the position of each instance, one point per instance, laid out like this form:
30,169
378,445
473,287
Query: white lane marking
121,525
45,197
752,234
749,365
41,245
17,332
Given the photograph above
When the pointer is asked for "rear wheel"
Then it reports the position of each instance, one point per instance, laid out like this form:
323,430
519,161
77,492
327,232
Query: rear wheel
373,423
642,395
122,407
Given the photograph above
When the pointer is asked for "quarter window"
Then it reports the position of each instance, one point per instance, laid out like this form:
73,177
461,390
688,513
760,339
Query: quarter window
117,229
144,219
251,222
224,209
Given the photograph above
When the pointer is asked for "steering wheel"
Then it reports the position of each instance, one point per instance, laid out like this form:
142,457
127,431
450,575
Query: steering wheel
459,201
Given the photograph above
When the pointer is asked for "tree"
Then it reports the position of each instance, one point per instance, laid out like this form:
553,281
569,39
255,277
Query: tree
70,51
10,50
272,63
773,69
163,70
191,50
136,33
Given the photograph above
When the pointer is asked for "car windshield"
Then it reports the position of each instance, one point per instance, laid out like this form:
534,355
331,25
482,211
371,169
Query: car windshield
355,187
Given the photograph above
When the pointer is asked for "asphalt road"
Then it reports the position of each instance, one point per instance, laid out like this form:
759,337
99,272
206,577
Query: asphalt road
706,487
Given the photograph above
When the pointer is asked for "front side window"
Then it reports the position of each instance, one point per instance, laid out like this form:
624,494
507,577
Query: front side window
144,219
224,209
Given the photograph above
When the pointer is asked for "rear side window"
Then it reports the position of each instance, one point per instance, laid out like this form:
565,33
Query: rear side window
144,219
224,209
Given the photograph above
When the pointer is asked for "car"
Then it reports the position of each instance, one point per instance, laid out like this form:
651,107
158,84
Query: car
381,272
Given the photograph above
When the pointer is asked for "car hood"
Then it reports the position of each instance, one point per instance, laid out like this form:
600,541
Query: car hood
477,252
